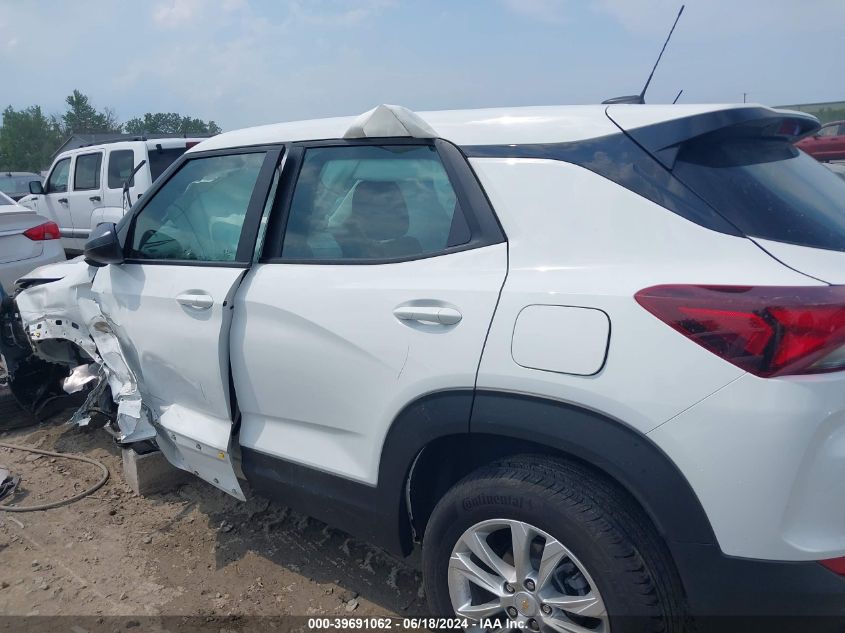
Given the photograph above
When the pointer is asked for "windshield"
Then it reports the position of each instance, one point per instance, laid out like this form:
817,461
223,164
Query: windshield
5,200
768,189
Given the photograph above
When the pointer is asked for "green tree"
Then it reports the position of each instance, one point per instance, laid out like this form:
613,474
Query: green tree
28,139
170,123
83,118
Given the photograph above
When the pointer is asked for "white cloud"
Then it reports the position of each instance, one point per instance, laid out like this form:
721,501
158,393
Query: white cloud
545,10
233,5
175,13
342,13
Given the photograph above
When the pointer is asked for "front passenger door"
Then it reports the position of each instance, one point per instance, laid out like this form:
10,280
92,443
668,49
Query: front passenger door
54,203
170,304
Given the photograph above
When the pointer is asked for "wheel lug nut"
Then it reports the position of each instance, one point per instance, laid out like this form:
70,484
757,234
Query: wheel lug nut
529,584
511,612
532,624
509,587
546,609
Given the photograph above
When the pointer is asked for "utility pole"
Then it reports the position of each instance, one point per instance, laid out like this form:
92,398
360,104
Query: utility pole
744,94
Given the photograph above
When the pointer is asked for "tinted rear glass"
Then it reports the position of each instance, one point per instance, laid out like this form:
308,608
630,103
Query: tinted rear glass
121,164
768,189
161,159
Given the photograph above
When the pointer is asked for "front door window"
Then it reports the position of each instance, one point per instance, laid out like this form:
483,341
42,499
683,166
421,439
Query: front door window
199,213
57,183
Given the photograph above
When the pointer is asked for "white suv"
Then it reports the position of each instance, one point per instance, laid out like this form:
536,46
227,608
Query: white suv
592,358
93,185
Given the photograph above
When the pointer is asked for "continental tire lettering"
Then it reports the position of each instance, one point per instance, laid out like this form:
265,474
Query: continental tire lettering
495,500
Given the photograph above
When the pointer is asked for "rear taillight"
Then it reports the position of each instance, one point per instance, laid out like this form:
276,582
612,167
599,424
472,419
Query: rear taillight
836,565
42,232
768,330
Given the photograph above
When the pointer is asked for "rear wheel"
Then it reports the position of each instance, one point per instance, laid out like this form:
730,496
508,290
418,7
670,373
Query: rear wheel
551,546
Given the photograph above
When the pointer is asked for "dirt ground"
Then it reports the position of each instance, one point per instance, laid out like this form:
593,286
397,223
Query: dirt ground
191,552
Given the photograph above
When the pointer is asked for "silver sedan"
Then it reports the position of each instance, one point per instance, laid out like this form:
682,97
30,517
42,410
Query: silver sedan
27,241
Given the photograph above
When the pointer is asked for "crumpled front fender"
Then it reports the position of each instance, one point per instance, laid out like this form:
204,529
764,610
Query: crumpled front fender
65,326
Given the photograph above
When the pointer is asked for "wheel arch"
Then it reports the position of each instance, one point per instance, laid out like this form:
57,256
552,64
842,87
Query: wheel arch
431,446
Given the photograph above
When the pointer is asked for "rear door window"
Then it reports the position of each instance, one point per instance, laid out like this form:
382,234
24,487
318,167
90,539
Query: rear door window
370,202
86,175
767,189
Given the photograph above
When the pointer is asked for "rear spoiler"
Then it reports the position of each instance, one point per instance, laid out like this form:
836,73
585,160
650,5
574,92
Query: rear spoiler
664,140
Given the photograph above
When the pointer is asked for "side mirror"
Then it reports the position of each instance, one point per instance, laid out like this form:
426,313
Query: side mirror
103,246
36,187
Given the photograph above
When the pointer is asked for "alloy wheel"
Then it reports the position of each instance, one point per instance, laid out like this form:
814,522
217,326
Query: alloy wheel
501,569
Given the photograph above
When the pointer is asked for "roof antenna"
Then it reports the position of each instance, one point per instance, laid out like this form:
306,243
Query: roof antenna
680,92
640,98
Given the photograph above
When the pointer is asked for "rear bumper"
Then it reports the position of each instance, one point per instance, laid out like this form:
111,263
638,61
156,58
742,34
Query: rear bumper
766,459
736,594
12,271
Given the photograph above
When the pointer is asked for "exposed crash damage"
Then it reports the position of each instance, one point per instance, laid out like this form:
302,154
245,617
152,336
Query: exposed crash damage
24,377
57,343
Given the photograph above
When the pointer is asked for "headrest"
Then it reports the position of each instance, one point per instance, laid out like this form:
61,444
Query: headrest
379,209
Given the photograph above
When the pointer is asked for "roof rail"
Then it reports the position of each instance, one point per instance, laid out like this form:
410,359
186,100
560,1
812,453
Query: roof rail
389,121
141,137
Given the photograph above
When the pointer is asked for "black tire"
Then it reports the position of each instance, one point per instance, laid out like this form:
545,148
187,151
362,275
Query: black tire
599,523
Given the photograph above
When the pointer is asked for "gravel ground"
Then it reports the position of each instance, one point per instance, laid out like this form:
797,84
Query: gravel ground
192,552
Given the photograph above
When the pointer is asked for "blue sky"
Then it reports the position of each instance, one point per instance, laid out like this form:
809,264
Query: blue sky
248,62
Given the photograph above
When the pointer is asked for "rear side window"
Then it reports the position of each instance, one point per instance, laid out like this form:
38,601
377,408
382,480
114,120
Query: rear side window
86,174
121,164
373,203
161,159
768,189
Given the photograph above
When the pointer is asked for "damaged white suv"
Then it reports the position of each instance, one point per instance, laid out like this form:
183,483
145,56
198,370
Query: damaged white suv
592,358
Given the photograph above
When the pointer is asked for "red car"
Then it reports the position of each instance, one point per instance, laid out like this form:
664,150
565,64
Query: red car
826,144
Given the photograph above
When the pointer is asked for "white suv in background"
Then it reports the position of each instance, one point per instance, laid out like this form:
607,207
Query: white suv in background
592,358
85,186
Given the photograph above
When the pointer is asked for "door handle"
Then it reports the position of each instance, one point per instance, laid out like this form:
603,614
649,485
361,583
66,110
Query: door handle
428,314
197,300
95,198
63,200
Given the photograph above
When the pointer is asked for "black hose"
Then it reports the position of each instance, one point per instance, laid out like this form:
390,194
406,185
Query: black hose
60,502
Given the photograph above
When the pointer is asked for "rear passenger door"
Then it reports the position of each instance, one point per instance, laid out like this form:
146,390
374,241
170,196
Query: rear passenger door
85,195
379,280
